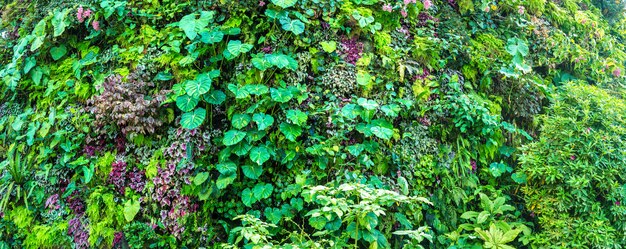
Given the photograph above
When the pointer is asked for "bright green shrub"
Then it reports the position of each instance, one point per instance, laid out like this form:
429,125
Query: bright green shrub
577,170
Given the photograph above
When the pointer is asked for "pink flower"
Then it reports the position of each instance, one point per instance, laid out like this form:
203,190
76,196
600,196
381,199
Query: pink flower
407,2
617,72
487,9
82,14
617,203
96,25
572,157
387,8
520,9
403,13
427,4
261,3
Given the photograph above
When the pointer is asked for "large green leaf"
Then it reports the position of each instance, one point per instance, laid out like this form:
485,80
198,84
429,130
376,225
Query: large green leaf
192,120
58,52
224,180
240,120
186,103
382,129
290,131
295,26
211,37
199,86
235,48
297,117
259,155
284,3
59,21
247,197
131,208
263,190
188,25
232,137
281,95
226,168
252,171
318,222
240,92
257,89
263,120
516,46
215,97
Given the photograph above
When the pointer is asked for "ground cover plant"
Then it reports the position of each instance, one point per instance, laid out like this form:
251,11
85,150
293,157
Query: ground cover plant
312,124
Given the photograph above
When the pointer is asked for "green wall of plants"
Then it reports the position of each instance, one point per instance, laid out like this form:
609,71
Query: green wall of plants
312,124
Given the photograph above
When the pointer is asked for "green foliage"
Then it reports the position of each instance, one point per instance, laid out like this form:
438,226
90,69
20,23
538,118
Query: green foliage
311,124
575,169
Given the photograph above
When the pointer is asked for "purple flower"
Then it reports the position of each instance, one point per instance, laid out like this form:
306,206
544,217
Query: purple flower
261,3
474,166
617,72
617,203
572,157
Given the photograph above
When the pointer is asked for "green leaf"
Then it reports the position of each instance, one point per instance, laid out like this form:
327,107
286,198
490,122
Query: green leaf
263,120
235,47
363,78
215,97
59,21
259,155
240,92
256,89
284,3
224,180
516,46
58,52
200,178
273,214
247,197
279,60
232,137
329,46
391,110
226,168
519,177
240,120
368,104
290,131
40,35
297,117
192,120
318,222
201,85
263,191
188,25
131,208
482,217
295,26
281,95
261,63
211,37
252,171
382,129
186,103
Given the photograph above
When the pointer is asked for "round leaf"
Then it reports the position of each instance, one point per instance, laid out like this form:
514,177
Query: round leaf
192,120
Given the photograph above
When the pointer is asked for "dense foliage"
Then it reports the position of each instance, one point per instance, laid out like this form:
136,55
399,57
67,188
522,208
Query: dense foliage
312,124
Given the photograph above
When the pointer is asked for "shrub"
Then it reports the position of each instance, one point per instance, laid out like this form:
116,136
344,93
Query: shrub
577,170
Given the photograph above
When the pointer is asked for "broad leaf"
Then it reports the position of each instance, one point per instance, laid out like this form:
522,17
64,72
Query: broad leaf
215,97
252,171
297,117
263,120
290,131
226,167
192,120
224,180
58,52
281,95
284,3
240,120
186,103
259,155
131,208
232,137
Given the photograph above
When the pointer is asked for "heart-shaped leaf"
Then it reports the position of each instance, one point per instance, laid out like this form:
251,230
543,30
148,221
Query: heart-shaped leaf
259,155
263,120
199,86
297,117
226,168
240,120
215,97
284,3
58,52
295,26
131,208
252,171
211,37
232,137
281,95
235,48
186,103
192,120
290,131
